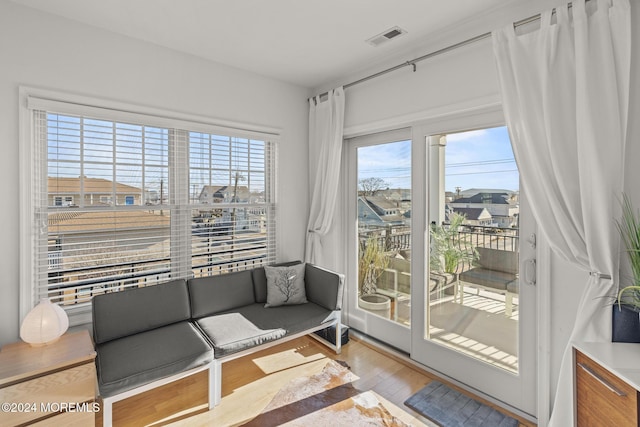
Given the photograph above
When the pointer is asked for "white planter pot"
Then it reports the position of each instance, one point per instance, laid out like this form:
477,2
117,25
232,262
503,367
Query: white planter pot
376,304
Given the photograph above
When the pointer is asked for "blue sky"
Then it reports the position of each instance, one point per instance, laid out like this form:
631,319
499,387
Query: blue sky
474,159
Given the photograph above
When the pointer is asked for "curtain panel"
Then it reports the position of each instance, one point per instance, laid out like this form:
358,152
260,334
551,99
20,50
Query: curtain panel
565,90
326,125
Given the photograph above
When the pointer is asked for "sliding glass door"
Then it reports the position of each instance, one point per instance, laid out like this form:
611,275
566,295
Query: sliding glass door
436,255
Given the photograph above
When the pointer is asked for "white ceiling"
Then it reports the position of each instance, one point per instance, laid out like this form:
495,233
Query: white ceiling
304,42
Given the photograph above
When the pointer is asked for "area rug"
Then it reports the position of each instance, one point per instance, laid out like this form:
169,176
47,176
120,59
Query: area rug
450,408
325,399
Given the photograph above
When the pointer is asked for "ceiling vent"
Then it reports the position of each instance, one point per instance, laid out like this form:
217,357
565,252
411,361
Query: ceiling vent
387,35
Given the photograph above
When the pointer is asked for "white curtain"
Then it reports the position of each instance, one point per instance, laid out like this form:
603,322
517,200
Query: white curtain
565,91
326,124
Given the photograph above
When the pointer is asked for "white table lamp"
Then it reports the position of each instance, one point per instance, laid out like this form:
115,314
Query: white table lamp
44,324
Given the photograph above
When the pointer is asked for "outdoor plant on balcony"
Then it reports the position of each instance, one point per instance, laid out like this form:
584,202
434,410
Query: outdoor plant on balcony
447,250
371,265
629,228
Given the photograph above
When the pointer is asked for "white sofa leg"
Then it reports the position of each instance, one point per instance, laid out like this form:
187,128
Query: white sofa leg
338,337
107,413
215,383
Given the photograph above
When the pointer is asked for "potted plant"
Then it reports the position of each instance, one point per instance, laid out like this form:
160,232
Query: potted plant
446,251
626,320
371,264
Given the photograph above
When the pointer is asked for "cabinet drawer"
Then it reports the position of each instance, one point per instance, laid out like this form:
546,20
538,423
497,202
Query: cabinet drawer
45,394
602,398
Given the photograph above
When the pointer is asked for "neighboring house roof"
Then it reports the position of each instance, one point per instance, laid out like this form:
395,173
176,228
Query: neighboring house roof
367,214
473,214
472,191
58,185
75,222
487,198
381,204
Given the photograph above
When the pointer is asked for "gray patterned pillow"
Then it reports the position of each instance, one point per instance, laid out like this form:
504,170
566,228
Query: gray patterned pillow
285,285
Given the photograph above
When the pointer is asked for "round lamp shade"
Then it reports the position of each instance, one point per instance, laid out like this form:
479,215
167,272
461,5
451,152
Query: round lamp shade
44,324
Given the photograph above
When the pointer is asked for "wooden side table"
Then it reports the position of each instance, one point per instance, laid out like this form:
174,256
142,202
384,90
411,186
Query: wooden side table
49,385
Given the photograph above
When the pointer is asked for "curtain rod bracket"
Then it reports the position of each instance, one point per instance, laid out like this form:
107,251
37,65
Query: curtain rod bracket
413,64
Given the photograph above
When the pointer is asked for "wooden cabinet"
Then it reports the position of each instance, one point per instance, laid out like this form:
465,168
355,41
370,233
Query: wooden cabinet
49,385
602,398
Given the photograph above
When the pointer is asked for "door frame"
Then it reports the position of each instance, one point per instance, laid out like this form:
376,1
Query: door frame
388,331
445,119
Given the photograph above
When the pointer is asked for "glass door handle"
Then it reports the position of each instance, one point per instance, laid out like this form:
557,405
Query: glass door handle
530,271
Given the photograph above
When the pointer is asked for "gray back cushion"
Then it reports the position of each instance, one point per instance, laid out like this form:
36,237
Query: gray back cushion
498,259
324,287
213,294
128,312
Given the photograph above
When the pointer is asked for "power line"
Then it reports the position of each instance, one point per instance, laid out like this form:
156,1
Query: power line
478,173
479,163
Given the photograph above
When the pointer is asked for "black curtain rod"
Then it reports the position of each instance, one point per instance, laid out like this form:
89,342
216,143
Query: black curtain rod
413,62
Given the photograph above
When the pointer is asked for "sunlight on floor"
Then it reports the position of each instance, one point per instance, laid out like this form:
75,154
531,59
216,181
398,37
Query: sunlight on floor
478,328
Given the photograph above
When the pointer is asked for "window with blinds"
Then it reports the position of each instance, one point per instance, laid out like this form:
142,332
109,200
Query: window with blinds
119,204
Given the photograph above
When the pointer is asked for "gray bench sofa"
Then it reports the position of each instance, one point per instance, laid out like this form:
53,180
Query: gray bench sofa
497,271
152,336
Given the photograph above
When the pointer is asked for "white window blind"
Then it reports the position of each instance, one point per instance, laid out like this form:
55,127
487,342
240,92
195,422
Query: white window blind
121,204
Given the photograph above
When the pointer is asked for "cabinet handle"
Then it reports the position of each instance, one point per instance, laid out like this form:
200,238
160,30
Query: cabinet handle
601,380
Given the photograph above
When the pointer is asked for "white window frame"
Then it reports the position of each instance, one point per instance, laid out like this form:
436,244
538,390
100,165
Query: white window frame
31,99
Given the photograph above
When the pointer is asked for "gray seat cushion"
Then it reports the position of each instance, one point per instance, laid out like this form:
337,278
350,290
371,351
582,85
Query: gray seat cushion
291,318
514,286
489,278
232,332
139,359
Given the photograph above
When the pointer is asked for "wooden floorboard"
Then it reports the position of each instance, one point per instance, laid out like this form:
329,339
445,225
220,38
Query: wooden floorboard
249,384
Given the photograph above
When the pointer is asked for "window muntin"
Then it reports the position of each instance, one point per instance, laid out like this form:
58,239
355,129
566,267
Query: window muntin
116,215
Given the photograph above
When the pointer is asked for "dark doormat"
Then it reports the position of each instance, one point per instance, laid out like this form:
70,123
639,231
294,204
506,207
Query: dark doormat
450,408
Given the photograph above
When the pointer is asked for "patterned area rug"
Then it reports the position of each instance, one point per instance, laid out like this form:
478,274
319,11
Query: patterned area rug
450,408
325,399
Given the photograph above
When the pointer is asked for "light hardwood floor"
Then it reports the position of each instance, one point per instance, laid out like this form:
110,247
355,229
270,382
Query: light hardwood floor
249,384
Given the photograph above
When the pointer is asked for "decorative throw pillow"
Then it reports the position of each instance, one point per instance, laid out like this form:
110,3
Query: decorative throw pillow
285,285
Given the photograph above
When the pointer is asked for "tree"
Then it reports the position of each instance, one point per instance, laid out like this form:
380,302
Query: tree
370,186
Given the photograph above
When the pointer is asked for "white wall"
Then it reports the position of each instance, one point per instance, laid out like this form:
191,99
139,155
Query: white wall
467,76
45,51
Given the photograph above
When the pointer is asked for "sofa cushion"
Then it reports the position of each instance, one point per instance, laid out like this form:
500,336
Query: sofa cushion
498,259
139,359
291,318
285,285
215,294
324,287
489,278
232,332
119,314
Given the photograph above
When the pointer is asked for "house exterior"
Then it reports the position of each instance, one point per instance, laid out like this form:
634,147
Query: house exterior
87,191
474,216
502,206
378,211
224,194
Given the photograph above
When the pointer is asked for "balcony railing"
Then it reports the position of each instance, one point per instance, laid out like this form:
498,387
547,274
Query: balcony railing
78,285
391,239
